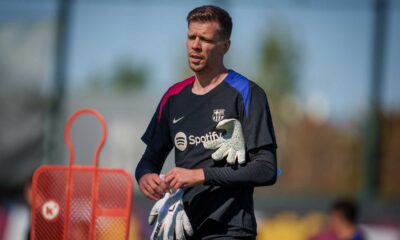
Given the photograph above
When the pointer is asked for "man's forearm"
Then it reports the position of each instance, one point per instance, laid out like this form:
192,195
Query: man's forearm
151,162
261,170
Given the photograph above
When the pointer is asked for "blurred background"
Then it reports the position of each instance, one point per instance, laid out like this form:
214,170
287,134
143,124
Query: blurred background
331,70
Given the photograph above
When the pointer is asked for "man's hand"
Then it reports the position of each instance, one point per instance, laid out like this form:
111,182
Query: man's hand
182,177
152,186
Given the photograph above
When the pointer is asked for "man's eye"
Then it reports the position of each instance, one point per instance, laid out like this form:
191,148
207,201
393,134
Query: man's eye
191,37
207,40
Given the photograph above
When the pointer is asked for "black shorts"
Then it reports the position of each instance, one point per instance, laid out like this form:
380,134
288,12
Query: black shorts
215,230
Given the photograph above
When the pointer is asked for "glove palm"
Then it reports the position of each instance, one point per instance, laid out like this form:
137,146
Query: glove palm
231,144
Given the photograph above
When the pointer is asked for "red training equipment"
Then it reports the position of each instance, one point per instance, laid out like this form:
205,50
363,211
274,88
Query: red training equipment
81,202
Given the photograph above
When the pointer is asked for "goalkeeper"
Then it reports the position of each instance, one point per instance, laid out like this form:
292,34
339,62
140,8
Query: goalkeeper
200,118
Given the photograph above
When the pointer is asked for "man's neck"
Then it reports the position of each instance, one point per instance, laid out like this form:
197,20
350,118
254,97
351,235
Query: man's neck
206,81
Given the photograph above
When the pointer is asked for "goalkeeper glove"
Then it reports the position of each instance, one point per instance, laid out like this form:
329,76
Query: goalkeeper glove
172,221
231,144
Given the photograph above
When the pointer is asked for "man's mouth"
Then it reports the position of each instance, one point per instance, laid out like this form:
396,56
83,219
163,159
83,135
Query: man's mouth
194,56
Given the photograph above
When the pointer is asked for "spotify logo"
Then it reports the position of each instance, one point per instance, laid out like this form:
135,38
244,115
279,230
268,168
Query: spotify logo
180,141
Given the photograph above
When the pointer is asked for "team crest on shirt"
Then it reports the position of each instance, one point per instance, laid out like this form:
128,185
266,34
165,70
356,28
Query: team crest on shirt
218,115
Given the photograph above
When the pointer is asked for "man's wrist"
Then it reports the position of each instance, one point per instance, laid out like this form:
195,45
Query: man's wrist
199,176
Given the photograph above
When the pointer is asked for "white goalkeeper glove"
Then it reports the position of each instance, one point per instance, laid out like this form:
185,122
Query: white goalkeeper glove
172,221
231,144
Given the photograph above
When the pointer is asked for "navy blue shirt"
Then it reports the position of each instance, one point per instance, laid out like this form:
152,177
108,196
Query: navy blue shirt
184,120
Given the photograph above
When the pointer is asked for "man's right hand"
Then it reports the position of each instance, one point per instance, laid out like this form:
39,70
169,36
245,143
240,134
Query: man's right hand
152,186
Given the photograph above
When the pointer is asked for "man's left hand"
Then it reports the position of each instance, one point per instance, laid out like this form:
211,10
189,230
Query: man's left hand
182,177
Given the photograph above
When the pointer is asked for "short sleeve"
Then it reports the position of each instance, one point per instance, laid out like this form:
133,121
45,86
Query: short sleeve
257,124
157,134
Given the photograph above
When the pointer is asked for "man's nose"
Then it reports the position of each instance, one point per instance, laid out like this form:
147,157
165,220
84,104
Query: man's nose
196,44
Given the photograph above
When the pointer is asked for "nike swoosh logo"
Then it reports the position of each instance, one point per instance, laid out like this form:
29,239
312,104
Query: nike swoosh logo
177,120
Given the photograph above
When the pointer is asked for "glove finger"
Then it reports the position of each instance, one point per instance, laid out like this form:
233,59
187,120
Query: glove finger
220,153
238,133
237,126
231,156
152,218
157,231
213,144
186,224
165,234
155,210
179,232
226,124
208,144
170,222
241,156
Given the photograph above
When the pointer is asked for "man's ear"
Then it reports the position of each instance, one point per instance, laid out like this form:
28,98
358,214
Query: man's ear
227,45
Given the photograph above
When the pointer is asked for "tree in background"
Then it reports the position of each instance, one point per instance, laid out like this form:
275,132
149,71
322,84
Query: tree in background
307,146
279,61
128,77
125,77
278,76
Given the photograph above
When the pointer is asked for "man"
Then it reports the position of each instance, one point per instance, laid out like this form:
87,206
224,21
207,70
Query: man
343,220
218,197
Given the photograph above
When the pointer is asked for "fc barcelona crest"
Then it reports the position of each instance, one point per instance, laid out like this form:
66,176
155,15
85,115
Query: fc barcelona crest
218,115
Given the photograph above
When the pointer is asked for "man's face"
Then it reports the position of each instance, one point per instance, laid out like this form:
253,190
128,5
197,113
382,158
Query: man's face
205,47
337,222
